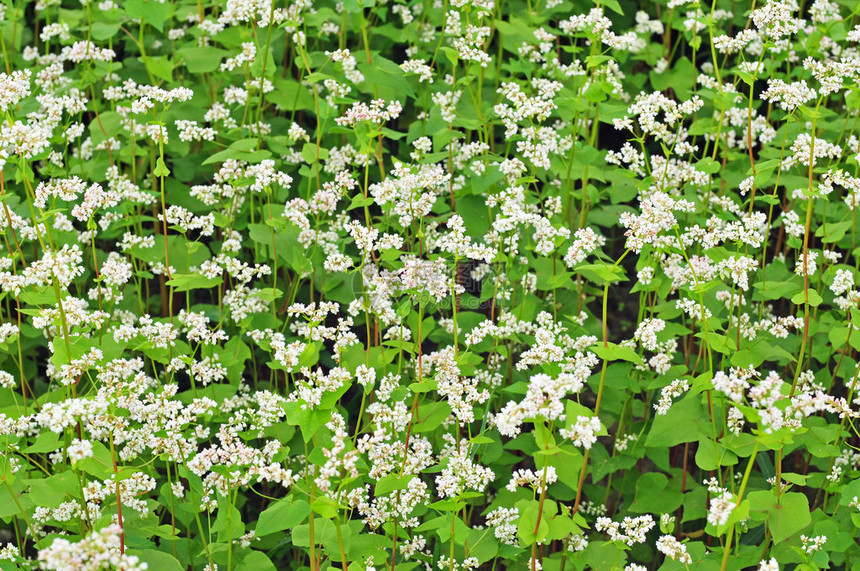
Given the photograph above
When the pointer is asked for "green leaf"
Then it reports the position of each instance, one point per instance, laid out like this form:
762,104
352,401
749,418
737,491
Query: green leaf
528,521
712,455
284,514
460,529
680,77
160,66
616,352
286,242
800,298
614,5
385,73
158,559
152,12
54,490
776,289
102,31
255,561
452,54
160,168
290,95
228,523
482,545
326,507
359,201
325,533
47,441
757,353
785,516
654,495
392,483
202,60
833,232
243,150
190,282
687,413
601,273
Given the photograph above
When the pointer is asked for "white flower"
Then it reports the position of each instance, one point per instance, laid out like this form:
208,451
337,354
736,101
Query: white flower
674,549
721,508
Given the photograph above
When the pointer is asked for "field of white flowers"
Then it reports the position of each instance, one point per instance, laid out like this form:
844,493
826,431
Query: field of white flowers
392,285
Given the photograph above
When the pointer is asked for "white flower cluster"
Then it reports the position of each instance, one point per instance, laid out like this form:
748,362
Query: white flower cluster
674,549
544,399
629,531
504,520
99,550
462,474
13,88
674,389
655,218
377,112
788,96
583,432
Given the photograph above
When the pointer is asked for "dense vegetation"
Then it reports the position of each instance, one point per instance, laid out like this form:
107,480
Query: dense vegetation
429,284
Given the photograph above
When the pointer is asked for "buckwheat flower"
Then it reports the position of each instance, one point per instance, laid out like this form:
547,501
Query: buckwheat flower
8,331
535,480
86,50
842,282
462,474
191,131
585,242
237,11
80,449
504,521
7,381
264,175
656,217
246,540
802,150
54,30
721,508
737,269
646,332
776,19
727,44
10,552
812,544
734,384
512,168
116,270
674,549
583,432
377,112
13,88
447,102
99,550
809,267
768,565
365,375
788,96
629,531
248,54
735,420
752,68
418,67
675,389
470,44
645,275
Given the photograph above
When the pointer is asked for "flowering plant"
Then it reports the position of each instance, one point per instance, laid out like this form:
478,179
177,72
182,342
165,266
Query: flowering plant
451,284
